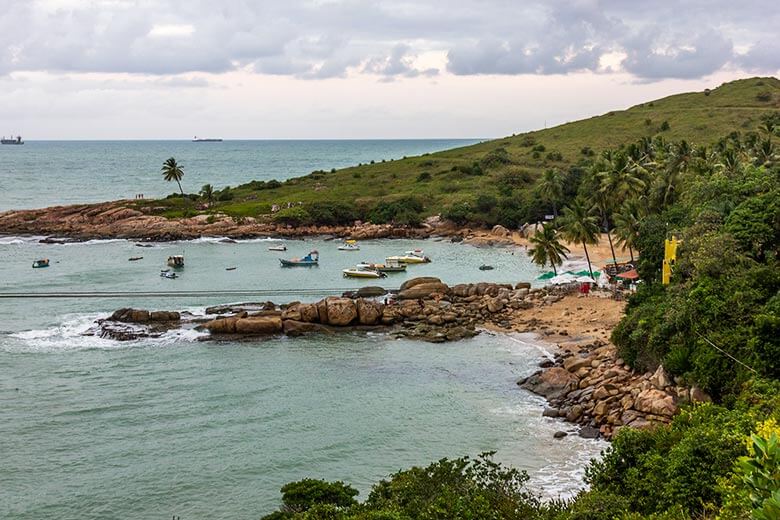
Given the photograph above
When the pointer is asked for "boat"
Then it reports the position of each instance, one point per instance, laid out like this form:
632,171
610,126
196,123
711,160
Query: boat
485,267
360,271
389,267
410,257
312,259
44,262
12,140
134,258
176,261
230,269
349,245
165,273
197,139
280,247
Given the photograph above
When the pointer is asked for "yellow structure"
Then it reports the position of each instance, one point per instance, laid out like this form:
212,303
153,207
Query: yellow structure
670,257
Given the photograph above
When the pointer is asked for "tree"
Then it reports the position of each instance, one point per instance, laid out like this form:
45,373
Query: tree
547,248
577,225
171,171
627,224
207,192
601,207
551,188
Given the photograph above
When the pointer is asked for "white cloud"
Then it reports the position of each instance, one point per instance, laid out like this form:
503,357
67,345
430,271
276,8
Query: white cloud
171,30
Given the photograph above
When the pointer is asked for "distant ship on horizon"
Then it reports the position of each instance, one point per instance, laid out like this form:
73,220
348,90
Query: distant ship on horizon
14,140
197,139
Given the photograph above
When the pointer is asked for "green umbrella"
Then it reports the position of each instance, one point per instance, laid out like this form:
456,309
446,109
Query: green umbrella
546,276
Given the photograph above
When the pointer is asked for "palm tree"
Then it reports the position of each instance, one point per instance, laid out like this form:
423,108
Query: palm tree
171,171
547,248
551,188
627,223
578,225
602,206
207,192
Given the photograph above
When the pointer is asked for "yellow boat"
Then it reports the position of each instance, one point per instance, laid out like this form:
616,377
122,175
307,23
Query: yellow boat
410,257
349,245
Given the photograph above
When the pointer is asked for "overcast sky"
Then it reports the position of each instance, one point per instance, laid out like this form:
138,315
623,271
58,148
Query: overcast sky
360,69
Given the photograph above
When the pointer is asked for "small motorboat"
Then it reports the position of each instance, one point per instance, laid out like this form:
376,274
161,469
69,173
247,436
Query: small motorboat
135,258
37,264
349,245
361,271
410,257
176,261
165,273
389,267
280,247
485,267
312,259
230,268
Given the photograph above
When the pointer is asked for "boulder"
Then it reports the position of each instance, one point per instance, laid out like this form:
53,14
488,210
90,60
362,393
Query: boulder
369,312
574,363
697,395
308,312
500,231
552,383
322,311
259,325
292,312
655,402
221,325
660,379
423,290
370,292
408,284
340,311
559,435
299,328
495,305
523,285
164,316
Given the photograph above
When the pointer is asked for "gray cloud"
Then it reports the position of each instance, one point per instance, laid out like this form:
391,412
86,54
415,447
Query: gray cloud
321,39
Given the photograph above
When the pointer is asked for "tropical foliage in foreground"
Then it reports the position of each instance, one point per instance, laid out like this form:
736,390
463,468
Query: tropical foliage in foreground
716,326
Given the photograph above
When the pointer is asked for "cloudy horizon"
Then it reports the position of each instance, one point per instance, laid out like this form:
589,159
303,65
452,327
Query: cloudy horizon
349,69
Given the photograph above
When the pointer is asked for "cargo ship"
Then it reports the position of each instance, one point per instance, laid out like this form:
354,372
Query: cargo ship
12,140
197,139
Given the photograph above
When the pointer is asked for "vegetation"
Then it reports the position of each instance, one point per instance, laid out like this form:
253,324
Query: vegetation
171,171
547,248
512,169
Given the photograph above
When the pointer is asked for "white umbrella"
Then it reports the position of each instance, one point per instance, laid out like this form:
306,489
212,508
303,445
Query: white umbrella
562,279
585,279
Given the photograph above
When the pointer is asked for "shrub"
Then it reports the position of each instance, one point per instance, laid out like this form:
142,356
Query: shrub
554,156
484,202
495,158
665,126
764,96
307,493
404,211
457,213
294,216
527,141
424,177
332,213
538,148
225,195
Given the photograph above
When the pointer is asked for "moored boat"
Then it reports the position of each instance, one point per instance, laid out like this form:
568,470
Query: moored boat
349,245
37,264
410,257
389,267
12,140
165,273
361,271
176,261
312,259
279,247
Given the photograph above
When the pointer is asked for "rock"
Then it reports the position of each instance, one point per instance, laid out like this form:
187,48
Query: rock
370,292
550,412
259,325
457,333
322,311
436,319
495,305
423,290
309,313
575,363
292,313
369,312
660,379
655,402
221,325
559,435
546,363
600,409
408,284
299,328
552,383
697,395
523,285
589,432
340,311
159,316
574,413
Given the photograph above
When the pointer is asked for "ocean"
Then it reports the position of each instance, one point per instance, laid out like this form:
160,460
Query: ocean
93,428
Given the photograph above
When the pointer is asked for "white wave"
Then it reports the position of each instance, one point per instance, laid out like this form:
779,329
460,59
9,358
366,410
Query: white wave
12,240
70,335
95,241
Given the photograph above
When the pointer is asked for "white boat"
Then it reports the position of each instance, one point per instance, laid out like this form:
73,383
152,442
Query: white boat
410,257
280,247
389,267
168,274
176,261
359,271
349,245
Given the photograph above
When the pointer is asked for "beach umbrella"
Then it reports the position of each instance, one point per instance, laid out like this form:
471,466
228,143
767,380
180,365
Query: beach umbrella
585,279
546,276
629,275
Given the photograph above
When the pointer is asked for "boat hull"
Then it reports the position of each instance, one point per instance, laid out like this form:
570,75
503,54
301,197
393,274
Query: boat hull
349,273
408,259
291,263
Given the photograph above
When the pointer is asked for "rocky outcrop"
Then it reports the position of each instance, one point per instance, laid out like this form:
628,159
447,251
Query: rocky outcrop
128,315
552,384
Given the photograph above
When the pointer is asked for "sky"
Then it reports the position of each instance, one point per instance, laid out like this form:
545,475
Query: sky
173,69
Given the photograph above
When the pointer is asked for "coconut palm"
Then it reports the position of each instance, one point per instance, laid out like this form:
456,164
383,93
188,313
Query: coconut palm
547,248
602,206
627,223
578,225
171,171
207,192
551,188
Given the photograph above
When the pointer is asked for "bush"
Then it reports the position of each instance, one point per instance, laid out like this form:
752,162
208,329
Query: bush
554,156
764,96
332,213
495,158
665,126
225,195
458,213
405,211
527,141
538,148
424,177
295,216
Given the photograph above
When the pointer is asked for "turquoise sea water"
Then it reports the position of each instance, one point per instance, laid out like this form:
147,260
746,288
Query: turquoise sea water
92,428
46,173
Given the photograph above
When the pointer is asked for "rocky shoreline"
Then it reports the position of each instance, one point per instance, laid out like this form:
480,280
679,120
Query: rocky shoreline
586,383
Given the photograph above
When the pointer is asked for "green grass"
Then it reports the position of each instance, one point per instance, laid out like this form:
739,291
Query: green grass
698,117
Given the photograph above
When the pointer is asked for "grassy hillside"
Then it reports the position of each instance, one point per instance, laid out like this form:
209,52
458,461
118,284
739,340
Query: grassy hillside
441,179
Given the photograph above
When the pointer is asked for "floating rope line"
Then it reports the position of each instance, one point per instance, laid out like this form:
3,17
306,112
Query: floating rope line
176,294
713,345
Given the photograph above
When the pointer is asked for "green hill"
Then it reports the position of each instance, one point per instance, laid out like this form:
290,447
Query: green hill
441,179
